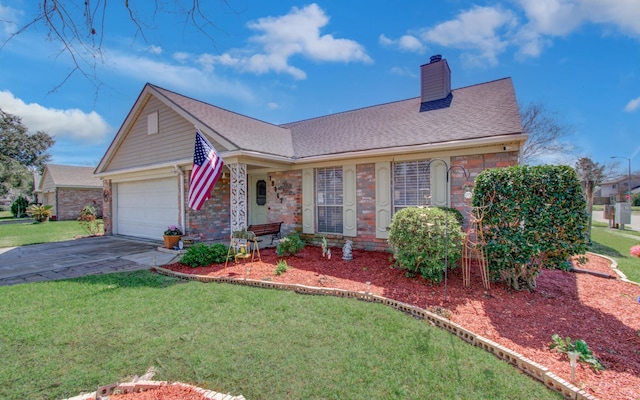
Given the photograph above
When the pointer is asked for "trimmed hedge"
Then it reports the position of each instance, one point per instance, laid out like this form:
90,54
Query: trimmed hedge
534,217
420,237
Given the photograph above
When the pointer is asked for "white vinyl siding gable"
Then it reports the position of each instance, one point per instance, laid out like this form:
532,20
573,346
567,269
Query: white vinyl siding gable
174,140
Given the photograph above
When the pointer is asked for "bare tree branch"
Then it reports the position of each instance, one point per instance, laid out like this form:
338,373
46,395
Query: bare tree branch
81,27
546,133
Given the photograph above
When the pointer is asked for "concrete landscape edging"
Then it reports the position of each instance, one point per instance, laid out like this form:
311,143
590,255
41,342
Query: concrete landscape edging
531,368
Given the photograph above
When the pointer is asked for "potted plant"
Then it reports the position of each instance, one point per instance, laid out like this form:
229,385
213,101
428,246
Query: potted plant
172,236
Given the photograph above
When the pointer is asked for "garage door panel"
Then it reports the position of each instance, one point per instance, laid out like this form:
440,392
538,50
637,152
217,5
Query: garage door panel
146,208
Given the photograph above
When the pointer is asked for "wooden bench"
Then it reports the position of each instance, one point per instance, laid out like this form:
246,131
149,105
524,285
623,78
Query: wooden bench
272,228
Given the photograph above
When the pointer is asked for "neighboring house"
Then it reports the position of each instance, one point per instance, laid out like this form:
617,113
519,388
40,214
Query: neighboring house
68,189
341,176
617,189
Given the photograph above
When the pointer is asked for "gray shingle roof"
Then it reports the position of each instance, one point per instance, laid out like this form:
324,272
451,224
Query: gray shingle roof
479,111
474,112
72,176
245,132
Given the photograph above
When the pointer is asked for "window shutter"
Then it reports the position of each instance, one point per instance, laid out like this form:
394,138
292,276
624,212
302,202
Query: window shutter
383,199
308,201
439,189
349,201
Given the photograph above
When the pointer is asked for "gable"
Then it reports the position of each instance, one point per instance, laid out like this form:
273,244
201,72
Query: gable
68,176
173,141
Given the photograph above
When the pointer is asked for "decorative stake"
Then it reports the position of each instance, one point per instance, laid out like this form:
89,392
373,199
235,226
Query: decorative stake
573,360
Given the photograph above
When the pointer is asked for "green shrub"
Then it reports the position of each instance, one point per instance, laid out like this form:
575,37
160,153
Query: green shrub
89,222
39,212
534,217
19,207
201,255
635,200
456,213
289,245
423,238
281,267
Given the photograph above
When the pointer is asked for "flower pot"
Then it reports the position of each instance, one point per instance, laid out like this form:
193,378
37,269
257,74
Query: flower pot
171,241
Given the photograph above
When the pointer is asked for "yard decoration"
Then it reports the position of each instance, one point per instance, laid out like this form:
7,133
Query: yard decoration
635,250
534,217
346,251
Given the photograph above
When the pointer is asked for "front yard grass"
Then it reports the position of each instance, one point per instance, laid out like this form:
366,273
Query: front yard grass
62,338
611,243
21,234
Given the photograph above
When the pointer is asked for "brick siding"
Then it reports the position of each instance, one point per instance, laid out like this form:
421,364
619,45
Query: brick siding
71,201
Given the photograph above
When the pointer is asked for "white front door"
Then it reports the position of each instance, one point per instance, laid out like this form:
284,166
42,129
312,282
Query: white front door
258,199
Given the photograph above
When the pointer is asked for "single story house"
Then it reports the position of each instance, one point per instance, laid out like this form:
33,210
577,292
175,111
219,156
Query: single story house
341,176
617,189
69,189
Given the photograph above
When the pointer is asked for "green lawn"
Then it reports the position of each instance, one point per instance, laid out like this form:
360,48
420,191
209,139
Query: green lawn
5,215
20,234
65,337
610,242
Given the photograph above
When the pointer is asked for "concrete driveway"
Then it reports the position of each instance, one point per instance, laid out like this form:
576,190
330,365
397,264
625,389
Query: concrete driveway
73,258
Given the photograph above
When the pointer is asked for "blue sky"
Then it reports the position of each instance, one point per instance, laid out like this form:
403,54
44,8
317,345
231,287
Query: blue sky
288,60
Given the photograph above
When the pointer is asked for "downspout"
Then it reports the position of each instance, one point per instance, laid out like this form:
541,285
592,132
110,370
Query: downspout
182,209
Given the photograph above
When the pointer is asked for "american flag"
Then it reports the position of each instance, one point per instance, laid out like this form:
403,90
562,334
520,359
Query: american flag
207,166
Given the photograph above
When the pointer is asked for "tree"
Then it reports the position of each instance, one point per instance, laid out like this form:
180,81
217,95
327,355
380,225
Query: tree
546,133
21,154
591,174
80,27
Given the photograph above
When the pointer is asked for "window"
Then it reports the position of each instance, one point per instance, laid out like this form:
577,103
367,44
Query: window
329,200
411,184
261,192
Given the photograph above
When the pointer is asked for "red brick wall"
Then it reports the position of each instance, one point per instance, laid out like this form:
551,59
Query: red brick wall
284,200
71,201
213,220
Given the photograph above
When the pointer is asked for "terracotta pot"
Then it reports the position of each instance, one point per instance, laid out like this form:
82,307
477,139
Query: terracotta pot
171,241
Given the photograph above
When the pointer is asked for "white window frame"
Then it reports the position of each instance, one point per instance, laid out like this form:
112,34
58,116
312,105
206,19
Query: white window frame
329,198
411,184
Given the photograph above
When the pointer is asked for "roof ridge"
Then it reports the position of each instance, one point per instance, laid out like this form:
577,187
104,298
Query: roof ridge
383,104
214,106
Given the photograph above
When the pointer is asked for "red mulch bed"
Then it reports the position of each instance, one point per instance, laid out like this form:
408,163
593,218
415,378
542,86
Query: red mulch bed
603,312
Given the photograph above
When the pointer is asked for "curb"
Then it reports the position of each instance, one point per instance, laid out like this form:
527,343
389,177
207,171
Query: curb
531,368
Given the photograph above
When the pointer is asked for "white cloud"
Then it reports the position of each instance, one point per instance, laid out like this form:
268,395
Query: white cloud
8,21
89,128
155,50
185,78
553,18
273,106
632,105
296,33
405,43
476,31
403,71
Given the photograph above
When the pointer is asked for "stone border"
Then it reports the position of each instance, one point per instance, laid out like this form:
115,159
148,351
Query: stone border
531,368
614,267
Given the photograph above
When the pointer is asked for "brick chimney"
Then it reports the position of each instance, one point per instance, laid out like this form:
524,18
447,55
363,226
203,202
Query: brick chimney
435,79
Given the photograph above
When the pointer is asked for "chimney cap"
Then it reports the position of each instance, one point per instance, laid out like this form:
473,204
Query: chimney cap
435,58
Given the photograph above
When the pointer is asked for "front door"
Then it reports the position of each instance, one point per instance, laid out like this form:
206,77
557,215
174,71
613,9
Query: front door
258,199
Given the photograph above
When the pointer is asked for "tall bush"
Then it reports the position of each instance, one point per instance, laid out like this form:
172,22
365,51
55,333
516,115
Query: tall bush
422,237
534,217
19,207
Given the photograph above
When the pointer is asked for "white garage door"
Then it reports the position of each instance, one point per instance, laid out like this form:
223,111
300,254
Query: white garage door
146,208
